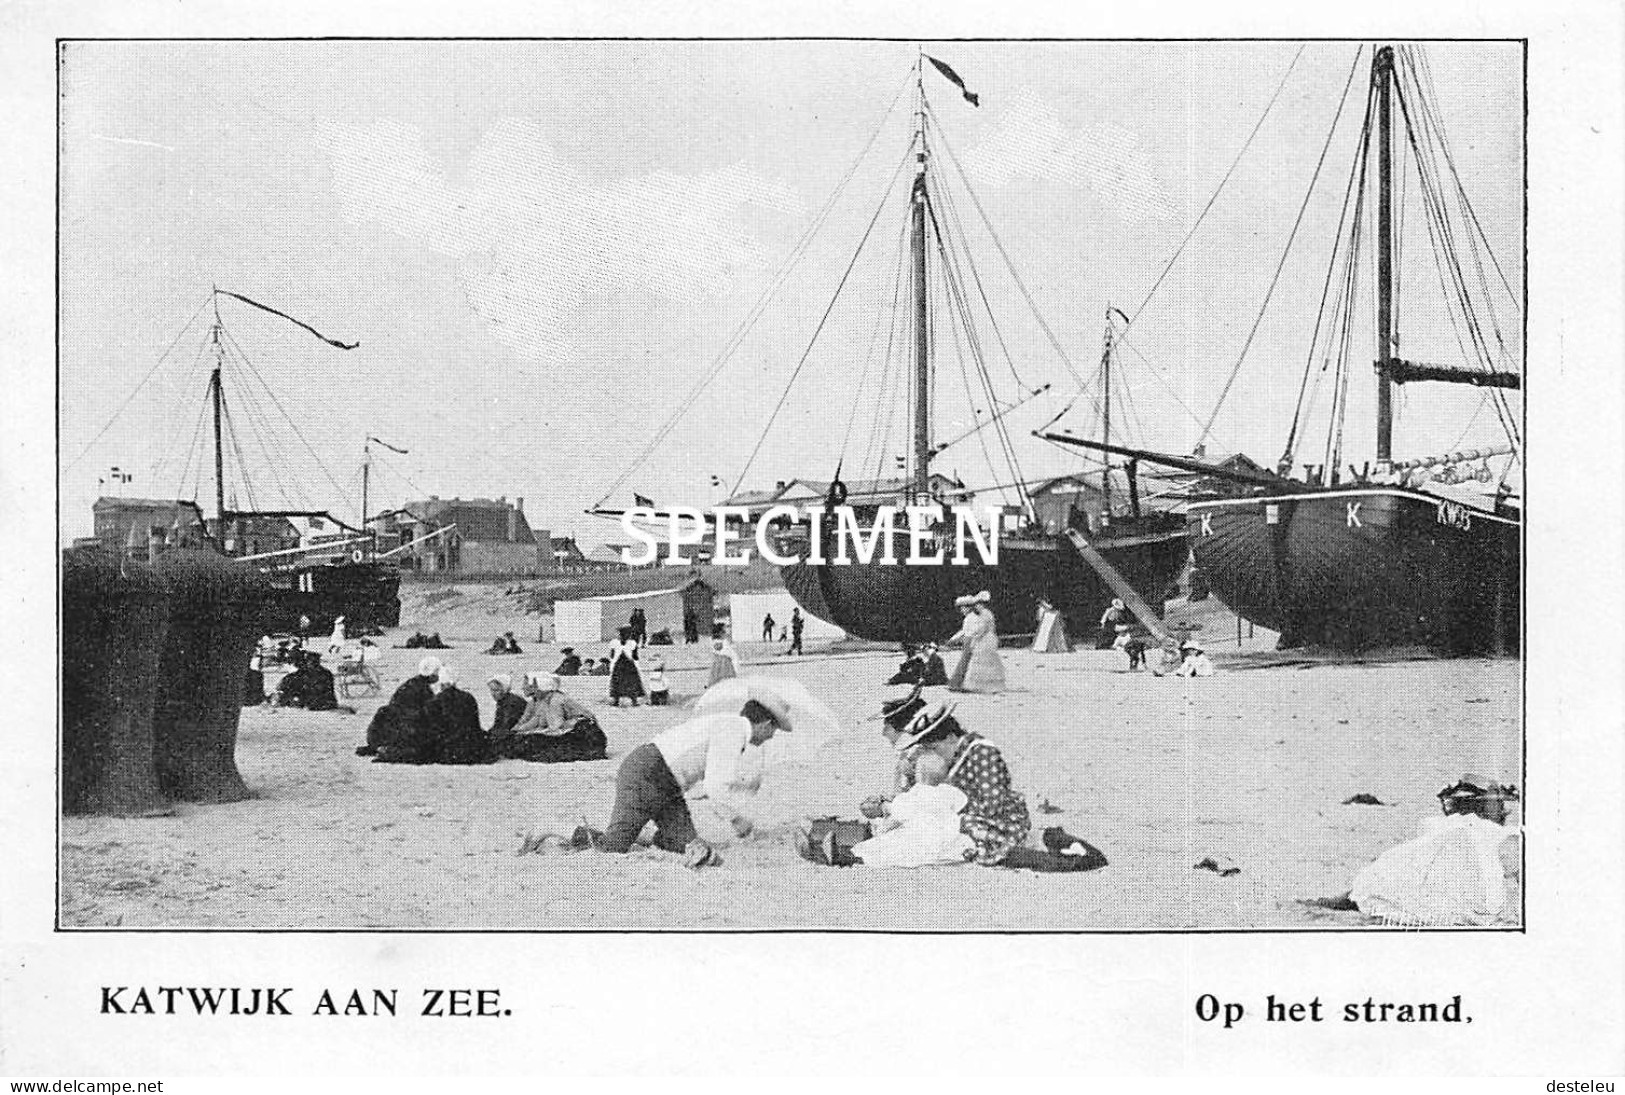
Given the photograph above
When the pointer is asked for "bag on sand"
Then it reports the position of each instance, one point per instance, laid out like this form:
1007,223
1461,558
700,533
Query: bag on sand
830,840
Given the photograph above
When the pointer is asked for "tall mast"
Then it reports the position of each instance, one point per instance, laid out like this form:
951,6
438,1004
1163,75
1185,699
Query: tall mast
1382,72
922,350
219,454
366,472
1106,421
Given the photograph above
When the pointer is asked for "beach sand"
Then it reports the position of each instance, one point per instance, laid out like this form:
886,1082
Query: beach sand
1253,764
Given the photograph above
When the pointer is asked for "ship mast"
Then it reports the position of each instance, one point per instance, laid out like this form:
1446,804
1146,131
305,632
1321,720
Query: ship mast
1106,422
922,349
217,399
1382,72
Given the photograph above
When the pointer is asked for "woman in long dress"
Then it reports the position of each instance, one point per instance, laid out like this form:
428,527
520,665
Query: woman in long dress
625,680
980,668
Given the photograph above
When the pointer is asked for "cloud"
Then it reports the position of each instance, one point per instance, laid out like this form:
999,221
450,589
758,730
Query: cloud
1028,141
536,238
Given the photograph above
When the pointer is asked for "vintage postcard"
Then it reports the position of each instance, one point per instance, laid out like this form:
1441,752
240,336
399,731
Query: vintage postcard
1042,502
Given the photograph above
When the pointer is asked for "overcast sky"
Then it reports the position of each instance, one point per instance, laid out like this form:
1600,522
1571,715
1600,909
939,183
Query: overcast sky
543,247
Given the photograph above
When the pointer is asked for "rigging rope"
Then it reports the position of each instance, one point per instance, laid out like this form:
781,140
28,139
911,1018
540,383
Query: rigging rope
109,424
1218,190
783,396
1285,251
733,342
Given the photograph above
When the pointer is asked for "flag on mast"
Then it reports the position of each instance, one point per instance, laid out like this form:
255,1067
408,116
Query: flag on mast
970,96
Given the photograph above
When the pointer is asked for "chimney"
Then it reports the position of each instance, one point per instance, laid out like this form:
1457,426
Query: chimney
519,503
780,485
513,525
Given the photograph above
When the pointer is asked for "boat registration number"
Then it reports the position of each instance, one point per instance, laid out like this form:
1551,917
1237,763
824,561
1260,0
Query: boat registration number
1455,515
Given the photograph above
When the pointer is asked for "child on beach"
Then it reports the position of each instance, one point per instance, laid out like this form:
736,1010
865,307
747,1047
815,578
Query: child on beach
659,692
921,826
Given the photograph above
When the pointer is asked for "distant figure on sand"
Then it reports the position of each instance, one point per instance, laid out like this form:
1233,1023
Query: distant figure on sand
554,727
1116,615
659,691
691,626
639,623
505,643
336,642
310,686
797,623
767,628
980,668
724,661
921,826
1135,649
707,756
570,664
1193,661
1168,659
625,681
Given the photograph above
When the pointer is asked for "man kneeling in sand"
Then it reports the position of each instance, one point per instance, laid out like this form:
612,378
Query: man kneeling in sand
708,753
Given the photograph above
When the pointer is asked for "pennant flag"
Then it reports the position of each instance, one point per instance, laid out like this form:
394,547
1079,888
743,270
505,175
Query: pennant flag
640,500
266,308
970,96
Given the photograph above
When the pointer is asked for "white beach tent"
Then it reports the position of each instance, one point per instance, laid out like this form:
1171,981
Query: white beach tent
598,619
746,611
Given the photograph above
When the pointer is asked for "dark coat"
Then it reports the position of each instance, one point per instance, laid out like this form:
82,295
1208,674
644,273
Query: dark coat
569,667
403,720
510,709
456,736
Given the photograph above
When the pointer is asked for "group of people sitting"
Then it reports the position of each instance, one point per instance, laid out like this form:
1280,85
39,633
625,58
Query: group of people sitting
504,643
419,641
430,720
309,686
922,665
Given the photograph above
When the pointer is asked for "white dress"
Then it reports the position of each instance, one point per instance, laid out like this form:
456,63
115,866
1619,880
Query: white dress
928,832
1450,874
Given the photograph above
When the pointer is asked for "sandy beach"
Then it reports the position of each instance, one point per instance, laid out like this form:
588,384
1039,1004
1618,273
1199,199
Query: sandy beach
1253,764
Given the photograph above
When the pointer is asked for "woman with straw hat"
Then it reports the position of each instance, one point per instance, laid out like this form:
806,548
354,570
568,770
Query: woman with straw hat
980,669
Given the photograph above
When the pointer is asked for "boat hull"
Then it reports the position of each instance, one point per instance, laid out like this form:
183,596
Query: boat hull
915,604
366,594
1364,568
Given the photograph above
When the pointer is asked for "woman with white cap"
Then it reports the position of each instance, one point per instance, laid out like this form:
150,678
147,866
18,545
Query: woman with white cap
404,716
510,707
554,728
1193,661
980,669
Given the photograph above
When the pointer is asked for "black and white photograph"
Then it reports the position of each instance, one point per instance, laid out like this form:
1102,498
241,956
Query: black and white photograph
982,499
485,515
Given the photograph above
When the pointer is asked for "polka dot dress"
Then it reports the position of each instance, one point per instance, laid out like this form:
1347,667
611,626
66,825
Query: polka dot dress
996,816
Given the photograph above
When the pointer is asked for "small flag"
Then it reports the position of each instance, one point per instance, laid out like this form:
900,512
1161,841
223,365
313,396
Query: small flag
970,96
640,500
902,461
716,480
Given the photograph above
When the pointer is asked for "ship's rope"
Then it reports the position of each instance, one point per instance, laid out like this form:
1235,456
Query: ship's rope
1015,275
1350,198
1292,237
818,330
746,325
886,320
137,390
1218,189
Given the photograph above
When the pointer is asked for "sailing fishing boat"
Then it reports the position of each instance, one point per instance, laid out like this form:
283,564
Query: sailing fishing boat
1403,552
339,575
1078,566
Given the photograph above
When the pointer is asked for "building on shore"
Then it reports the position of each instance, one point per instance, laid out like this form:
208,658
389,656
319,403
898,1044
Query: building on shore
484,537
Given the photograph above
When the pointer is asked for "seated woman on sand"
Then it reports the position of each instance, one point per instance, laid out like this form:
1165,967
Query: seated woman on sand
921,826
554,729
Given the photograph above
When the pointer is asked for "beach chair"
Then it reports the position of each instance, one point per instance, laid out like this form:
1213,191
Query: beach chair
354,677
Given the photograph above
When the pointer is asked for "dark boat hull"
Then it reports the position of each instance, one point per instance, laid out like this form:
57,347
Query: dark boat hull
1364,567
366,594
914,604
